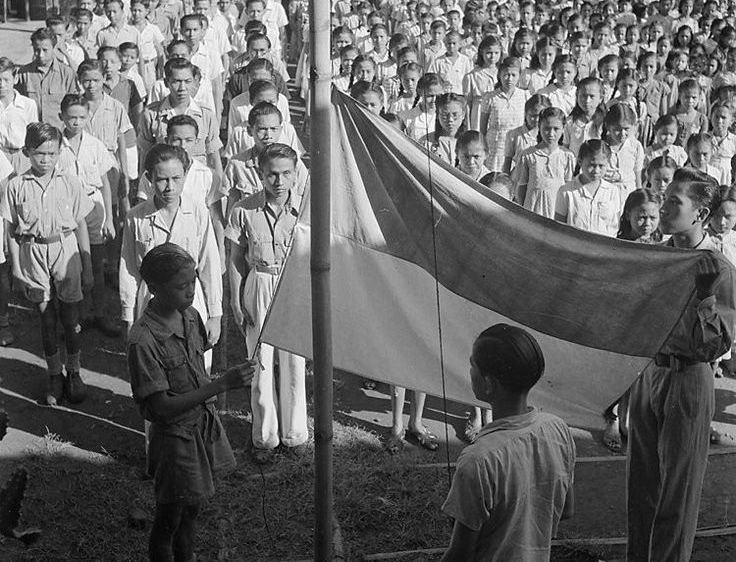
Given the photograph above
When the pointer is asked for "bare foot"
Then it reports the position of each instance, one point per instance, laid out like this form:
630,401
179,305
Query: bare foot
612,436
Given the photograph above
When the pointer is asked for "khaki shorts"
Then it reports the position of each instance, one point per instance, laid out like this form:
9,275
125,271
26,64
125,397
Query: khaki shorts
53,269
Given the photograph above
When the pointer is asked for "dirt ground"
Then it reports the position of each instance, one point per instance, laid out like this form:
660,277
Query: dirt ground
86,465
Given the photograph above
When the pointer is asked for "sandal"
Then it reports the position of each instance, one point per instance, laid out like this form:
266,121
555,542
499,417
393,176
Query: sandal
394,444
425,439
369,384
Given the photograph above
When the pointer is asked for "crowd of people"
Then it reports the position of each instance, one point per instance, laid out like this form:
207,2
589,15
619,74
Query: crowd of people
148,149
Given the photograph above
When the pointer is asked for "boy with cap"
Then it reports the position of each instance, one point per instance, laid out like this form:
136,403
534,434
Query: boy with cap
514,484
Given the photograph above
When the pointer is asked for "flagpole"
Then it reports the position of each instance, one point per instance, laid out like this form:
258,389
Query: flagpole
320,78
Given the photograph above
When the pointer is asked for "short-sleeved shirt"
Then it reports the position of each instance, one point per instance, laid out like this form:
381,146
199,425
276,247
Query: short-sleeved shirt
44,211
145,229
161,361
511,485
126,92
240,107
254,225
14,118
91,161
505,112
154,123
108,121
240,140
518,140
111,37
242,174
208,61
628,160
151,35
48,89
452,72
595,207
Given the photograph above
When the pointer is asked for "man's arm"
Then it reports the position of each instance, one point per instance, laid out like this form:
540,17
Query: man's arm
462,544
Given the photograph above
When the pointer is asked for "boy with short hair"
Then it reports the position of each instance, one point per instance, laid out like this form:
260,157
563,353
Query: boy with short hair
84,156
258,90
435,47
208,61
180,81
129,57
119,31
180,50
453,65
273,16
119,88
97,22
260,228
83,33
264,128
151,51
45,211
45,80
68,50
514,484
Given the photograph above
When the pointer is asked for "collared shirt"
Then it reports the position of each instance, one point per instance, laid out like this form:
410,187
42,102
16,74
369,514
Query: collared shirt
160,360
511,485
192,230
452,72
253,224
242,174
125,91
199,186
162,22
517,141
595,207
208,61
203,97
240,107
151,35
240,140
563,99
48,89
44,211
14,118
89,163
628,160
112,37
725,243
274,18
108,121
6,169
217,39
154,123
677,153
475,84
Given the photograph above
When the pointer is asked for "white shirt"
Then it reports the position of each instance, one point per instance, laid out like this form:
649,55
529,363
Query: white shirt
14,118
240,107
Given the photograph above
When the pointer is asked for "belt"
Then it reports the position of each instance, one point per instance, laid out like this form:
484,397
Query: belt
43,240
674,362
264,268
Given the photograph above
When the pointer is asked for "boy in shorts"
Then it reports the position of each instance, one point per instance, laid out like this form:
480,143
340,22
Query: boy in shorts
85,156
45,212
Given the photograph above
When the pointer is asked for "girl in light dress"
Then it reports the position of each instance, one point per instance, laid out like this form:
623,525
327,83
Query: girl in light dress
449,124
627,154
586,119
562,92
665,135
482,78
521,138
420,119
501,111
409,76
543,169
724,141
539,73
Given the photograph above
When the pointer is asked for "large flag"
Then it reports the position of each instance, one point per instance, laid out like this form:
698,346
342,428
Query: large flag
600,308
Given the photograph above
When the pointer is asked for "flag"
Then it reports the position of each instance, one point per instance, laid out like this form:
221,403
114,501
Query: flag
411,235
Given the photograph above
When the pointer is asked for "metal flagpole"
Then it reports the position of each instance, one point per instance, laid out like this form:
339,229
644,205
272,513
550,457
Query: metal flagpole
320,77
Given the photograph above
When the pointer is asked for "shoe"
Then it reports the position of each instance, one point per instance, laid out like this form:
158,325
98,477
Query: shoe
107,327
54,389
262,456
425,439
6,336
74,387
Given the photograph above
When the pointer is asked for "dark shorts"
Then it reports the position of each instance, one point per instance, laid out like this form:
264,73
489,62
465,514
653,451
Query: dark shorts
184,460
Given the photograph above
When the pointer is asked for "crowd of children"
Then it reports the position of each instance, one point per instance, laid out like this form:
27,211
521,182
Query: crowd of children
144,124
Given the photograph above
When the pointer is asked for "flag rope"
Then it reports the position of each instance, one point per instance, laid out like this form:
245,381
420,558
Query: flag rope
440,339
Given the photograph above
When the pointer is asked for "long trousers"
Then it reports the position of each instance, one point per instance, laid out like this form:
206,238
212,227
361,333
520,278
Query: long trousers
670,413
